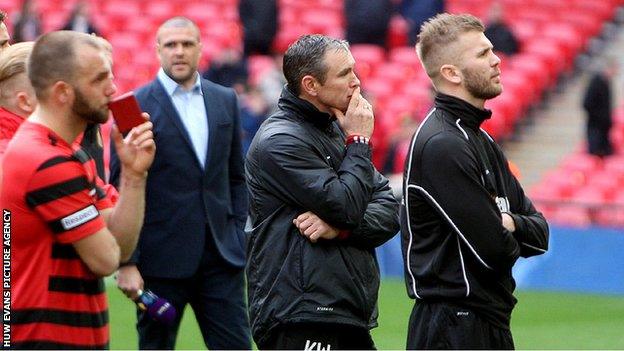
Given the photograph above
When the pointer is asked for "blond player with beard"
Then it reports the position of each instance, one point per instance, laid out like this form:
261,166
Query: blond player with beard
465,219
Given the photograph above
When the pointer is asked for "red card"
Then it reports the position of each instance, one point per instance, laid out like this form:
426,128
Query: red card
126,112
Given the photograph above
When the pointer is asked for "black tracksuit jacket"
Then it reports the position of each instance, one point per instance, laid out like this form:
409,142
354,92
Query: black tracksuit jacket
456,184
298,162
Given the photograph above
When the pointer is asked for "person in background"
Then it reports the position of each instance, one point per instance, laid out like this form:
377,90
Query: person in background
259,19
27,23
80,19
17,97
254,111
367,21
318,208
67,230
465,219
416,12
228,69
192,246
598,104
499,33
5,38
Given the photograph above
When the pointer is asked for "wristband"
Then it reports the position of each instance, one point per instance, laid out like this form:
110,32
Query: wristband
358,139
344,234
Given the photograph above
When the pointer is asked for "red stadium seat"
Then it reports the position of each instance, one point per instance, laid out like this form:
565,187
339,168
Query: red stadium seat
584,163
368,53
160,11
122,9
572,216
533,68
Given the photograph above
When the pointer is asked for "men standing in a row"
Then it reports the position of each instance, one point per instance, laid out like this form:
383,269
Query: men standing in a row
192,246
66,233
465,219
318,208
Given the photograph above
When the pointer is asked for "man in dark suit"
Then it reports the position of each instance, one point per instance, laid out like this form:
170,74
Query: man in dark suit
191,248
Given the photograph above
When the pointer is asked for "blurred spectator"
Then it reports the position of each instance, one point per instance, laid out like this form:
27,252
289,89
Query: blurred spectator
398,144
272,83
80,19
259,19
228,69
254,110
416,12
5,38
27,23
367,21
598,104
499,32
17,97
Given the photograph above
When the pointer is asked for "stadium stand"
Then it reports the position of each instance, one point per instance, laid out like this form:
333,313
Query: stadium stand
585,189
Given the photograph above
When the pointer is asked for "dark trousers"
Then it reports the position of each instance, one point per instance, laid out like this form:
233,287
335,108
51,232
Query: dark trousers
216,294
441,326
317,337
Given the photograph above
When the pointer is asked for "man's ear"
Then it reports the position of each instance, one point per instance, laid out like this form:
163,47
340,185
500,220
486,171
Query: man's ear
451,73
26,102
309,85
62,92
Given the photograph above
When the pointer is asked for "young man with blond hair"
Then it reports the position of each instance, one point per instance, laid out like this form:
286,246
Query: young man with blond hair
465,218
17,98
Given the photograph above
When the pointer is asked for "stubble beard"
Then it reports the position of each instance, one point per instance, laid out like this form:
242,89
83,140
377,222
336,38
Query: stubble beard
480,87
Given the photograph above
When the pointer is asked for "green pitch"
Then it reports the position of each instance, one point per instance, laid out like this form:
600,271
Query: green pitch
540,321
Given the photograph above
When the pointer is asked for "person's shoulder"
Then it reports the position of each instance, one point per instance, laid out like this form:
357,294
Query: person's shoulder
32,148
144,90
9,123
277,132
216,88
444,142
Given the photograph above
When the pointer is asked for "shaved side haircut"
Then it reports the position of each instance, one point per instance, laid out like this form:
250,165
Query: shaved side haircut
438,35
54,58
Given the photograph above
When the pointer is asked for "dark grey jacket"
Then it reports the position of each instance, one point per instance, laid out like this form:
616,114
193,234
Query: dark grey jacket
298,162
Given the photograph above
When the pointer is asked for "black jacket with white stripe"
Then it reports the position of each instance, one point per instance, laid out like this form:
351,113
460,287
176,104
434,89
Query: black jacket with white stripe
456,184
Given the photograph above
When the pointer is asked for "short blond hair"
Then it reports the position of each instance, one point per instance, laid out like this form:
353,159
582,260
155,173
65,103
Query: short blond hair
438,34
13,60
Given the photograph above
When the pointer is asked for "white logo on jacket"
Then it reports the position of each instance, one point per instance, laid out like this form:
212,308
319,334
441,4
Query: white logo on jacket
502,203
316,345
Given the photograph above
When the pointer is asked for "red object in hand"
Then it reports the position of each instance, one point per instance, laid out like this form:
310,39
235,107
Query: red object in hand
126,112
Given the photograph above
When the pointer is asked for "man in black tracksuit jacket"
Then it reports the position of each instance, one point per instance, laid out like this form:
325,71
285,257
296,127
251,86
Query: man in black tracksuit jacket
465,219
309,290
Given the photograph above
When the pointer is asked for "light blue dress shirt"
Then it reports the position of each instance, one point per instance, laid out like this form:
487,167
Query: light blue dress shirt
192,111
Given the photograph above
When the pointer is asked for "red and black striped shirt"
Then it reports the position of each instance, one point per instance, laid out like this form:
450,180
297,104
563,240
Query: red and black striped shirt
55,199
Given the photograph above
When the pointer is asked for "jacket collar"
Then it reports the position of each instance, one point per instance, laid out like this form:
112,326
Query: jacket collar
470,115
289,102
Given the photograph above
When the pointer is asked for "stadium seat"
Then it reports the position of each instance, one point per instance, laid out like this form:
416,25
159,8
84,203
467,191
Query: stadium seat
368,53
571,216
122,9
581,162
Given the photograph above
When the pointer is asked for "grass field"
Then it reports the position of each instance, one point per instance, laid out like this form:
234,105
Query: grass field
540,321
